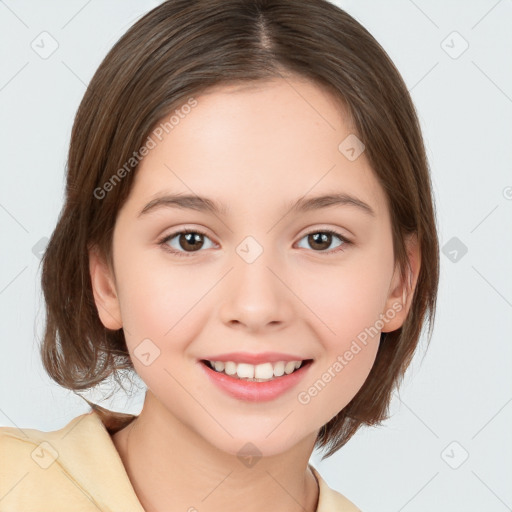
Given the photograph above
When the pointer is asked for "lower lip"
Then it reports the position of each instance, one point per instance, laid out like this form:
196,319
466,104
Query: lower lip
255,391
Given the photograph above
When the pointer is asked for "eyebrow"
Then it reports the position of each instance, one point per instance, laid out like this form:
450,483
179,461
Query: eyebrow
303,204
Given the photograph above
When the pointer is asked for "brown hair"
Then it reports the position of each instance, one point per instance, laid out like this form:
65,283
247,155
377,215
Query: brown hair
179,50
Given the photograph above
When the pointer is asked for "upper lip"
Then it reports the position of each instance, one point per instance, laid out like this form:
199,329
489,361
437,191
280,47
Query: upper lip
264,357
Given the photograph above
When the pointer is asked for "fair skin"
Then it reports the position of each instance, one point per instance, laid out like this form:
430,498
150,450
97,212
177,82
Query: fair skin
255,150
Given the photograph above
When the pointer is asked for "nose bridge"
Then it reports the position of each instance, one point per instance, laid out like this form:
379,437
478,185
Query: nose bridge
255,294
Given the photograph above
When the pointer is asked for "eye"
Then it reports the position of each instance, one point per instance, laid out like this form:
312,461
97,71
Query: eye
323,239
187,239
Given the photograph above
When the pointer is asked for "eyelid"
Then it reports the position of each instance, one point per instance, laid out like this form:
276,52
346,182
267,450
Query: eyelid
341,248
318,228
162,241
186,229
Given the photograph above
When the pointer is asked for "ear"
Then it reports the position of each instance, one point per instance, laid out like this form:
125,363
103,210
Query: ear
401,292
104,290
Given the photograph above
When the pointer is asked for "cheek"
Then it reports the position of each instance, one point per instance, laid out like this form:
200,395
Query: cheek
157,296
346,299
159,307
335,383
346,359
345,305
163,307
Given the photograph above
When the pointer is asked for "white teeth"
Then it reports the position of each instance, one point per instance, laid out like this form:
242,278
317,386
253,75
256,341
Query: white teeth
259,372
289,367
245,371
279,368
230,368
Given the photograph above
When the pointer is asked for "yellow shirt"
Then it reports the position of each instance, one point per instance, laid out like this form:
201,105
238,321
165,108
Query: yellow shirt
78,469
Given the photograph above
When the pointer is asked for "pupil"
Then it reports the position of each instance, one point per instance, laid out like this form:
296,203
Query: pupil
322,239
193,241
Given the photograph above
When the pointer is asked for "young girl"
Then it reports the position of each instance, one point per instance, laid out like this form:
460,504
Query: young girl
249,226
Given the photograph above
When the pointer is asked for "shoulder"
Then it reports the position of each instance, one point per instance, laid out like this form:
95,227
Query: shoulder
16,442
36,473
24,448
330,500
49,470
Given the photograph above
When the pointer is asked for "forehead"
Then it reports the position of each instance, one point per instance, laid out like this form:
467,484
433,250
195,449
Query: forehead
255,144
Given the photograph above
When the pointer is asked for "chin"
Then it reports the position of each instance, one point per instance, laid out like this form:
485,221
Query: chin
250,444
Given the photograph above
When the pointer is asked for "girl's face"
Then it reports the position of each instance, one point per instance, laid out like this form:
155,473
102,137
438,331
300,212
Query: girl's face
257,276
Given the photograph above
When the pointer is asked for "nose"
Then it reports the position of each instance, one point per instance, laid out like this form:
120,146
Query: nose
256,295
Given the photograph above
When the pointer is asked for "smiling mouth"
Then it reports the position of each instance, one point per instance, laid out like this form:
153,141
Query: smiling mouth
248,372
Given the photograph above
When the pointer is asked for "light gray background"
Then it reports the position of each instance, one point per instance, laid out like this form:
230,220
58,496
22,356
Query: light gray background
455,401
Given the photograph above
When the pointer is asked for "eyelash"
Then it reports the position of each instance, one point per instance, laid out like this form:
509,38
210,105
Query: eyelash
163,242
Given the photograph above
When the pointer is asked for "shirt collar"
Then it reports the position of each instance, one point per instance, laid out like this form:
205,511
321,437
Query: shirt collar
87,454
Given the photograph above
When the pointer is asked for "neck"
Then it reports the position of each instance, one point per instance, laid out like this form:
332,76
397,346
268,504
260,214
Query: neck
172,468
